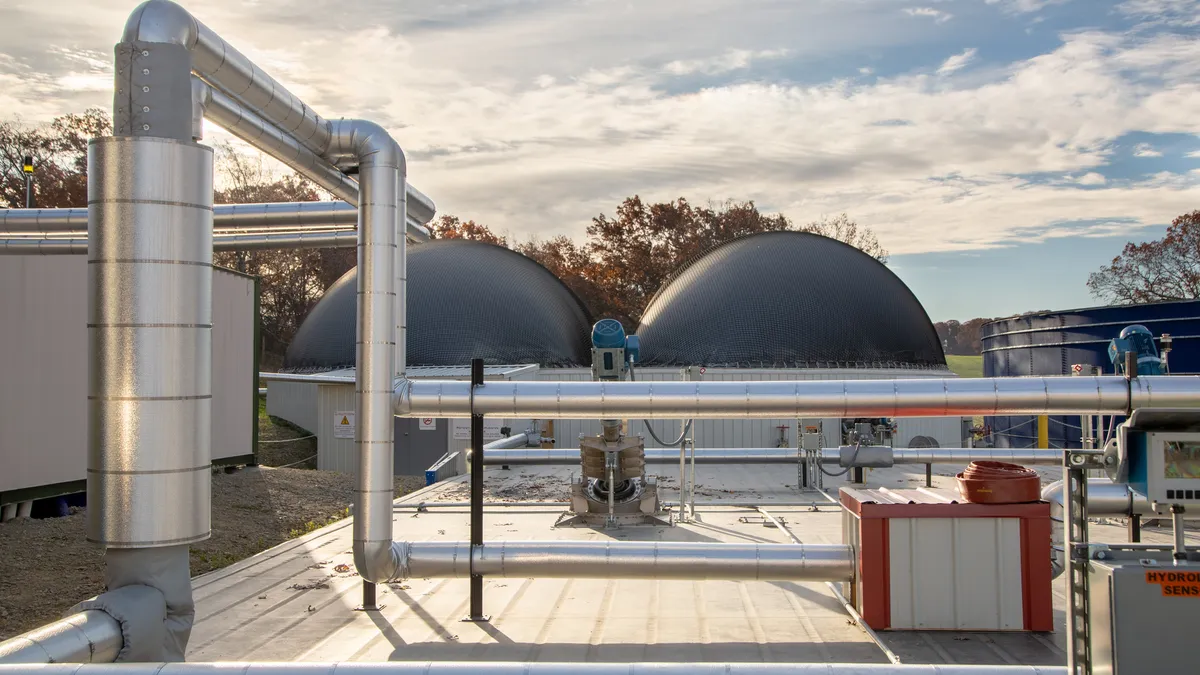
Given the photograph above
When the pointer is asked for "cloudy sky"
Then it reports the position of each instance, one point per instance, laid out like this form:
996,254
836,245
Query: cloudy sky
1001,149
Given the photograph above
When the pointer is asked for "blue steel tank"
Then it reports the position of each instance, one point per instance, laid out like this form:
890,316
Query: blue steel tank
1051,343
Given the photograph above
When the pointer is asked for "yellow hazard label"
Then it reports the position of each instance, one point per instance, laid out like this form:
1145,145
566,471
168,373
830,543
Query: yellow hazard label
1176,584
345,420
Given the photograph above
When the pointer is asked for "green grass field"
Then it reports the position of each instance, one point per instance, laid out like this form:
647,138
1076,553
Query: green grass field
966,366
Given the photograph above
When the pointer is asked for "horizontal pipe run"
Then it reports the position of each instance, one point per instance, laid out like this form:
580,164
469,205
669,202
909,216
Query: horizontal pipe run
221,242
537,668
91,636
564,456
71,223
932,397
628,560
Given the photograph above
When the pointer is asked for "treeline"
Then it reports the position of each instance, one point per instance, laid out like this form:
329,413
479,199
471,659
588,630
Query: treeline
615,270
961,338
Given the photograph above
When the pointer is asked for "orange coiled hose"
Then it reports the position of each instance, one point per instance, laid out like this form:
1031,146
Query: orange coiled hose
987,482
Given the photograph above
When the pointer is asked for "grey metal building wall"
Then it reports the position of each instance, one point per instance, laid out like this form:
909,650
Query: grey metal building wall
43,370
295,402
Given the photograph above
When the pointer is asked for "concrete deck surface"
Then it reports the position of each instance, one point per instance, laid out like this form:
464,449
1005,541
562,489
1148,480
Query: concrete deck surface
297,601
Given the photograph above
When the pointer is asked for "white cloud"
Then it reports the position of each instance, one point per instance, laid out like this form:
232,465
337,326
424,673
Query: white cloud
1172,12
1025,6
734,59
1195,154
957,62
1092,178
937,15
1145,150
537,123
866,71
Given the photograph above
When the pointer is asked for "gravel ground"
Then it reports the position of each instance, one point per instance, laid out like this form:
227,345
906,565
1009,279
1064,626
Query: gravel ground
46,566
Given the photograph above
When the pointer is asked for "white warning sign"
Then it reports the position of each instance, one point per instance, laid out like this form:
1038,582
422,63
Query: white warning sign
343,424
462,429
427,423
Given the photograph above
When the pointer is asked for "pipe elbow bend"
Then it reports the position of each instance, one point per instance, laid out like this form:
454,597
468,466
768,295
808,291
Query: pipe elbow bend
161,21
381,562
401,398
365,141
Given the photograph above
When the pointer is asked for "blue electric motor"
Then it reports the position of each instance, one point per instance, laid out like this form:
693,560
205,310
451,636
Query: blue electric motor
612,350
1139,340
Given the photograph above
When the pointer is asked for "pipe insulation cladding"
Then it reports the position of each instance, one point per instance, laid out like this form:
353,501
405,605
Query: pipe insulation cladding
788,399
628,560
519,456
91,636
528,668
150,334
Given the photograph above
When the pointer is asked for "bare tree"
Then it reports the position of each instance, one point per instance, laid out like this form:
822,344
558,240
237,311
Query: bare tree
1154,271
849,232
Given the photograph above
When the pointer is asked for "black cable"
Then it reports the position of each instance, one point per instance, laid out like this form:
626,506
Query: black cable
683,434
821,466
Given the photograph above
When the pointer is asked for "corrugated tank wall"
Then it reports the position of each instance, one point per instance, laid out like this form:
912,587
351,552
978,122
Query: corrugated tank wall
1050,343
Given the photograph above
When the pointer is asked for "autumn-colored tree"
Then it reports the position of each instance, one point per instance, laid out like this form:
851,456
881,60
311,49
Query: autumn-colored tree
633,253
59,151
290,280
451,227
1153,271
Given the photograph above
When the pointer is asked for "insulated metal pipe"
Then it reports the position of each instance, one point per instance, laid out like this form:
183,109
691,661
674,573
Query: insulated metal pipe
535,456
221,242
91,636
629,560
1104,498
150,333
72,222
228,69
517,441
382,178
537,668
788,399
247,125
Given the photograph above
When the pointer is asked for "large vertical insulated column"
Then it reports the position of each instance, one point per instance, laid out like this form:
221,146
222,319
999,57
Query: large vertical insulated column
150,220
150,362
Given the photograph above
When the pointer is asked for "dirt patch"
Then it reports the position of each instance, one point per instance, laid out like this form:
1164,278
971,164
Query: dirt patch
48,566
524,487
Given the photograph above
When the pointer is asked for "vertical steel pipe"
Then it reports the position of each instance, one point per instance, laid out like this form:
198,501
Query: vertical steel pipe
150,331
382,175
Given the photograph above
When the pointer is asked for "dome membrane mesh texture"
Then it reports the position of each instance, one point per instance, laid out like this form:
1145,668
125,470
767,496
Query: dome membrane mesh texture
466,300
788,300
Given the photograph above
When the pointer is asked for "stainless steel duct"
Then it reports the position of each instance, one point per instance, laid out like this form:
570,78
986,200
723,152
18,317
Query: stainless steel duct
48,223
380,355
628,560
514,441
542,668
564,456
91,636
160,21
790,399
150,328
222,242
1104,498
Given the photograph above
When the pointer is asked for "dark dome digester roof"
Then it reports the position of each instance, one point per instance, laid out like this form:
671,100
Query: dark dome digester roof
788,299
466,300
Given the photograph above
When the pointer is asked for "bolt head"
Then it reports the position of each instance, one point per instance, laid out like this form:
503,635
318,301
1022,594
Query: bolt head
145,89
145,108
145,127
145,52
